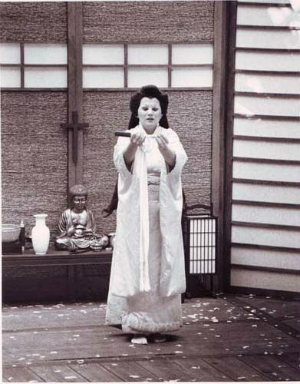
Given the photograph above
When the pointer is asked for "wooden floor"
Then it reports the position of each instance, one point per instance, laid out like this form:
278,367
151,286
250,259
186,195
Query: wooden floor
228,338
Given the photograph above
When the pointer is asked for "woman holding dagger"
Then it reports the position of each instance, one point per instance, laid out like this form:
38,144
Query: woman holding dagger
147,276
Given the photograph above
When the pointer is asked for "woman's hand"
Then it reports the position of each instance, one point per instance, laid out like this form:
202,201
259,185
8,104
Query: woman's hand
136,139
163,145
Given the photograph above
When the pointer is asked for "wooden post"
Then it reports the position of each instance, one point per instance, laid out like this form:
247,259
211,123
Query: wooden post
229,107
218,136
75,93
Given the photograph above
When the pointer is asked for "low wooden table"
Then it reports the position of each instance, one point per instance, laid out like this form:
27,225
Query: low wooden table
57,276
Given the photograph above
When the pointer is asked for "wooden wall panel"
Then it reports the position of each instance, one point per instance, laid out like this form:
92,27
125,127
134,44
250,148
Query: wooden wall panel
34,156
267,172
264,204
266,193
189,114
139,21
277,106
266,237
33,21
266,128
267,39
265,280
268,61
266,215
266,15
265,83
266,150
269,1
265,258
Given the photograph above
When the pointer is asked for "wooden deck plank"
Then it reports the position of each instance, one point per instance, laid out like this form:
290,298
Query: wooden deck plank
42,316
292,359
35,317
203,371
19,374
57,373
273,367
237,338
273,307
198,339
211,309
73,336
167,369
294,323
236,369
95,372
130,371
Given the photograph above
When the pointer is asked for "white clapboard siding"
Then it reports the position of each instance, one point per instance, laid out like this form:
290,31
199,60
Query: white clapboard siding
268,172
268,39
267,16
265,209
266,1
267,128
266,215
265,193
262,83
265,280
277,106
271,237
266,150
265,258
268,61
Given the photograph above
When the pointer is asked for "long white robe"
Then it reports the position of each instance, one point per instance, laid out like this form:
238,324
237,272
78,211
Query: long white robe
134,299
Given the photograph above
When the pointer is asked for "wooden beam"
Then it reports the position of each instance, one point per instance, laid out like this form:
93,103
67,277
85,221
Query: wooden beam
265,161
220,72
266,248
75,93
22,66
229,105
264,139
279,227
291,184
265,204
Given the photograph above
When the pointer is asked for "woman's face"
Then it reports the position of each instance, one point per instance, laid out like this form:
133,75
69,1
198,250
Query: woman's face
149,113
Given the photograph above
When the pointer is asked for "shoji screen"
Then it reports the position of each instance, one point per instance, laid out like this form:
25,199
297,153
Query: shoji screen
265,216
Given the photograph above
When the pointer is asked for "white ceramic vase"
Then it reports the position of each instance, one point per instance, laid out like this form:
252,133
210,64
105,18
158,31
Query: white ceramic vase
40,235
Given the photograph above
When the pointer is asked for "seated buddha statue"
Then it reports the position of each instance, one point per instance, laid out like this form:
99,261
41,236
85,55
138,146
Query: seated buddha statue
77,225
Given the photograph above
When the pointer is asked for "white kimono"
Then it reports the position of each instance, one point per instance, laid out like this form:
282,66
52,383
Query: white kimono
148,274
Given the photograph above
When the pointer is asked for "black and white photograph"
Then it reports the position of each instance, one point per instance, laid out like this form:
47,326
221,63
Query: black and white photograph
150,191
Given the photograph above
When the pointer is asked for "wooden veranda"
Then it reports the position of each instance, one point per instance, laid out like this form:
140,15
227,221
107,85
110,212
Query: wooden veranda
228,338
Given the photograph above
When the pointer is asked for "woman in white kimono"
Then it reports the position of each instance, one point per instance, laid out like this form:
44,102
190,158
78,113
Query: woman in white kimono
147,274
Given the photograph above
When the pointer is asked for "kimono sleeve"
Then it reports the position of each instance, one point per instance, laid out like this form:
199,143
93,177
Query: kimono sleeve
119,161
174,177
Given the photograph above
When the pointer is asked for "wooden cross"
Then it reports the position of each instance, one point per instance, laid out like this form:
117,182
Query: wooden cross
75,126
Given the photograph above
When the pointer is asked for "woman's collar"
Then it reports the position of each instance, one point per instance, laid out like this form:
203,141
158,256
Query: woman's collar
156,130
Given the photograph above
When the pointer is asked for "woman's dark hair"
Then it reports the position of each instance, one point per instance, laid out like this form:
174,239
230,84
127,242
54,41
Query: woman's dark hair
150,91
